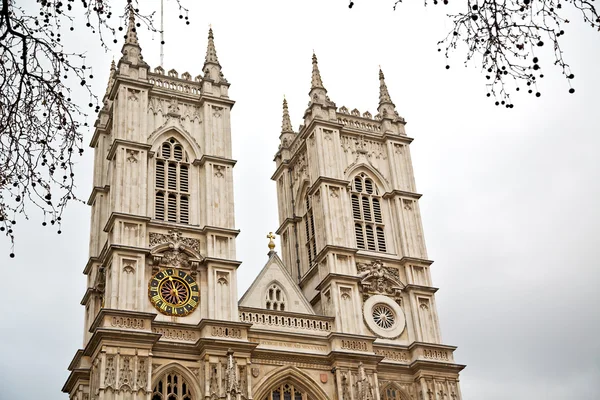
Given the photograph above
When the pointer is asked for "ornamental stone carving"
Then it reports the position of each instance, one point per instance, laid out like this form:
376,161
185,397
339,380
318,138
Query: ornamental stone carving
364,389
378,279
182,252
175,239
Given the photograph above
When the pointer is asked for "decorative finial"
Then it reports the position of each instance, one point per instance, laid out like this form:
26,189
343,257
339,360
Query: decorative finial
131,33
271,236
286,124
316,81
384,95
211,51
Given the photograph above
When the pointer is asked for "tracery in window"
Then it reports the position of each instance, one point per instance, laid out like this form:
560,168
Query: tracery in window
309,225
172,386
275,298
391,393
286,391
172,183
366,210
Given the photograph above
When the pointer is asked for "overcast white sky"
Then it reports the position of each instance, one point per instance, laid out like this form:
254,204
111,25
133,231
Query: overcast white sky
510,196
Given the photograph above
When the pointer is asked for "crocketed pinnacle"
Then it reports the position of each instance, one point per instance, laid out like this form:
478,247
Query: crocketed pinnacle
384,95
316,75
211,51
131,31
286,124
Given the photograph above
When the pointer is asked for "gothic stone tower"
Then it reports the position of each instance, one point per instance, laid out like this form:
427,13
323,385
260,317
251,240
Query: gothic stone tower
348,314
162,266
353,242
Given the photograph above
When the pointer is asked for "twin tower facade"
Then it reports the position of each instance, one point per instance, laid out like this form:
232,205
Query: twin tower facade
347,312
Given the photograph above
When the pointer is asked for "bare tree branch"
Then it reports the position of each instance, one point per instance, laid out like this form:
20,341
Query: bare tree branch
41,128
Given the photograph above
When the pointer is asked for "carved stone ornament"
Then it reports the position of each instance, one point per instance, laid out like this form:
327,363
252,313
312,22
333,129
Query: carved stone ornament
232,384
175,250
364,389
378,279
323,378
255,372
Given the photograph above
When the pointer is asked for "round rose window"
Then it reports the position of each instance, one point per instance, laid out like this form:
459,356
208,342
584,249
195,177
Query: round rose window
383,316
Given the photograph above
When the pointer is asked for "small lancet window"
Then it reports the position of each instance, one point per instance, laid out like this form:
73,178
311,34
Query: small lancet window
172,182
275,298
366,211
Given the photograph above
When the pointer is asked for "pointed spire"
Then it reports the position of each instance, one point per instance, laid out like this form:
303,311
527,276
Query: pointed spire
286,124
211,51
132,52
384,95
316,81
131,37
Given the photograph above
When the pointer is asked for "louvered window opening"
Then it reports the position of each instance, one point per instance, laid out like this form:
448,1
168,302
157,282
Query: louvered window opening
172,197
309,225
366,210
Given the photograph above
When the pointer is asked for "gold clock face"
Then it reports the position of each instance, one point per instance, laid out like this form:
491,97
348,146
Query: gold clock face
173,292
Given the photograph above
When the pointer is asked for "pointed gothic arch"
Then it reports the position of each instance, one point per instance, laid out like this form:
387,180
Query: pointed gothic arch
176,369
293,376
273,300
393,391
374,174
189,144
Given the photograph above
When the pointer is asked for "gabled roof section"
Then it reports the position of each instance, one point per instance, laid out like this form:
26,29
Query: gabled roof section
275,272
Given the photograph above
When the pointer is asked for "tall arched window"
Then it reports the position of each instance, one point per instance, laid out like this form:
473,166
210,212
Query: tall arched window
309,224
286,391
275,298
366,209
172,197
172,386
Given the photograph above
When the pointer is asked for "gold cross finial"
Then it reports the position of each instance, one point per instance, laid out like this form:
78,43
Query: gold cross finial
271,236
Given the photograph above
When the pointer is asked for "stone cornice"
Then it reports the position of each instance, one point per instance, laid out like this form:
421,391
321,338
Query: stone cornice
76,375
324,179
215,159
396,137
135,145
405,260
105,129
122,79
401,193
88,266
123,337
95,191
286,222
224,101
130,217
317,121
435,366
349,251
412,287
284,165
76,360
86,296
215,260
216,229
337,277
104,312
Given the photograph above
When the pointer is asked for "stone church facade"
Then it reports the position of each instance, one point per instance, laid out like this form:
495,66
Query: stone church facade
348,312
